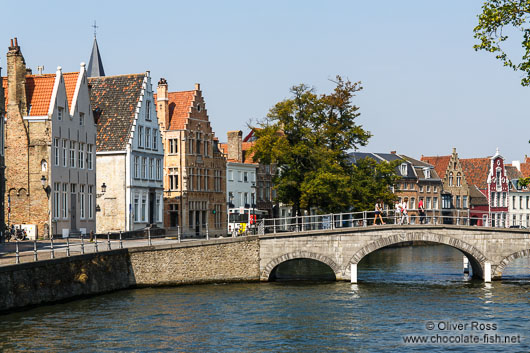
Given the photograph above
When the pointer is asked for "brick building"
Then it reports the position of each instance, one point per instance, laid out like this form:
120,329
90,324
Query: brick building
50,147
194,167
2,161
455,193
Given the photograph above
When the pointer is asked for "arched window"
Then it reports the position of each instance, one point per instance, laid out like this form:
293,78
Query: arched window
451,179
458,180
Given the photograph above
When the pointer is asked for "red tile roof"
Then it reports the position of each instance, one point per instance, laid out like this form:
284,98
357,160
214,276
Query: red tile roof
440,164
476,171
39,89
180,104
247,155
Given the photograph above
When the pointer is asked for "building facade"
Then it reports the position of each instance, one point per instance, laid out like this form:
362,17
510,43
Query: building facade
489,176
2,160
519,196
129,153
50,150
194,166
455,194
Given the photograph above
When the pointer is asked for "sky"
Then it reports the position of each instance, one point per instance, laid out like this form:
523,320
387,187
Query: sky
425,88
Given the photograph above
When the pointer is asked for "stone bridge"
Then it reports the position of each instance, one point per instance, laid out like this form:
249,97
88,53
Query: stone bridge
489,250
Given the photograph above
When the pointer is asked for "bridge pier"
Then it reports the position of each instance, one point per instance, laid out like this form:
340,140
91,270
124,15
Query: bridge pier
353,269
487,271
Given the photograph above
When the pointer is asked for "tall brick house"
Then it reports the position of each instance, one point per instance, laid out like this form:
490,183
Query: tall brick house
194,167
129,152
489,176
2,160
50,149
455,194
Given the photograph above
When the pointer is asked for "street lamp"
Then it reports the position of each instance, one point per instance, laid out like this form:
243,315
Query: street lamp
103,190
45,187
253,196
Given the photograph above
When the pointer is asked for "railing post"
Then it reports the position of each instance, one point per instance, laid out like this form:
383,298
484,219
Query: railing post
274,225
17,253
149,236
35,250
332,221
96,242
434,217
108,241
52,254
178,233
82,243
68,246
121,242
207,233
468,218
365,220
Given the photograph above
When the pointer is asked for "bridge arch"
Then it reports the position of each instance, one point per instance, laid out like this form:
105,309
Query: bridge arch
497,273
265,274
475,256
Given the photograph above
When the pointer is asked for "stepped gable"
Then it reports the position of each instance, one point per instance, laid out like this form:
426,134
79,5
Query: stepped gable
114,100
39,90
440,164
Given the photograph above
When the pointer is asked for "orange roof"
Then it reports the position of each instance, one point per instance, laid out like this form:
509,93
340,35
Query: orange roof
525,168
39,89
440,164
179,109
476,171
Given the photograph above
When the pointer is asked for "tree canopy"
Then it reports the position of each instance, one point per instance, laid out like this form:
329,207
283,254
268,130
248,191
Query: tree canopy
498,19
308,137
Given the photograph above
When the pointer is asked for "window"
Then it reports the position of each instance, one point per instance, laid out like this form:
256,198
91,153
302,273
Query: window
136,167
492,199
520,202
155,139
81,119
458,180
240,175
230,174
435,188
89,156
464,201
513,203
158,169
527,202
56,200
190,146
403,169
64,210
245,177
173,146
412,203
140,136
60,113
81,155
457,201
428,188
206,148
498,177
158,217
147,137
82,201
91,201
427,173
435,203
143,208
198,151
144,167
136,214
421,188
451,179
56,151
504,199
173,179
151,169
65,153
428,203
148,111
446,201
72,154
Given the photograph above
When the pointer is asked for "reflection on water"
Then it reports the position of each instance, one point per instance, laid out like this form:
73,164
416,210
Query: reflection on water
399,290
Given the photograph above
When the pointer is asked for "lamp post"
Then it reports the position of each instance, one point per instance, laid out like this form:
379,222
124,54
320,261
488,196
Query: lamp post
253,200
103,191
48,190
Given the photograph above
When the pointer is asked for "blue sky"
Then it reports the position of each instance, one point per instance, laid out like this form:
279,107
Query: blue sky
425,89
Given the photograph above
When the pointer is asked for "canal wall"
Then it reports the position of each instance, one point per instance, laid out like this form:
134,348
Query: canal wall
207,261
220,260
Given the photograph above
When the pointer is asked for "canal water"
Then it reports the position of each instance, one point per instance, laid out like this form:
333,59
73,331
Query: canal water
402,293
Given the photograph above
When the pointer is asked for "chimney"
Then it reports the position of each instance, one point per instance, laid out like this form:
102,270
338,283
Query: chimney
41,68
197,86
454,150
162,102
393,152
235,151
16,77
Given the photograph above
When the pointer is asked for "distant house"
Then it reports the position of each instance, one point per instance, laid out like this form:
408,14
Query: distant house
50,150
519,210
418,181
455,192
129,153
489,176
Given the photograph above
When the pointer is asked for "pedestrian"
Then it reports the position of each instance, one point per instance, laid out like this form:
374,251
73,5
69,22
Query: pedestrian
398,212
404,211
421,209
378,206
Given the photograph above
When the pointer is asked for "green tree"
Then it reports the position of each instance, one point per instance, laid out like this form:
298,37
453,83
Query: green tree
498,18
308,137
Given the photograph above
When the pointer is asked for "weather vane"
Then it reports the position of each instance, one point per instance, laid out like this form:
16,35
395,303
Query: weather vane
95,28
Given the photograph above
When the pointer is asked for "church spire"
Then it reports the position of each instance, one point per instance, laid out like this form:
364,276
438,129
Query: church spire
95,65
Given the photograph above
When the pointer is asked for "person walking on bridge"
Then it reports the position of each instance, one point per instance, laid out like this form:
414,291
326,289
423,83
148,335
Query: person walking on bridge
378,210
404,211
